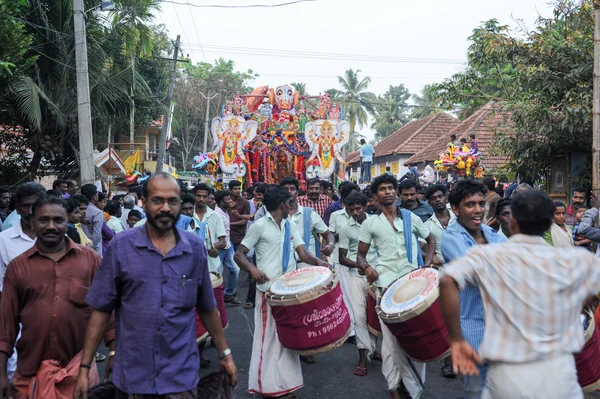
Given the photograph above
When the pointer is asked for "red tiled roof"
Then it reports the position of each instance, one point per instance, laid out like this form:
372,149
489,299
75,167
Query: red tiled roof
411,137
484,123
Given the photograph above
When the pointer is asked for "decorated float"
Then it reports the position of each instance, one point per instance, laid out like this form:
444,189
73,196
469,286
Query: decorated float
460,162
273,133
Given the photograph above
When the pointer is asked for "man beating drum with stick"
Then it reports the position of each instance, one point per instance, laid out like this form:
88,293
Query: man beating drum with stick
274,370
386,231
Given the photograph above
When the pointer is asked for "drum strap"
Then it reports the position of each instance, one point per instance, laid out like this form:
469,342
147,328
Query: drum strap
407,224
287,238
308,235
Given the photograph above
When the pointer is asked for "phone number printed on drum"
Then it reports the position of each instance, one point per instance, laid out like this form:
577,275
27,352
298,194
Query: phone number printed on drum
338,319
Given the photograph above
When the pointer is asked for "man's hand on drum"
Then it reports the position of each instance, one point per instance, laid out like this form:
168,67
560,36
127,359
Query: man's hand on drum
464,358
437,262
259,276
327,250
371,274
322,263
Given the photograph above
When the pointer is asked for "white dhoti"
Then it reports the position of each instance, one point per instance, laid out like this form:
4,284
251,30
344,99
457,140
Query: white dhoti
554,378
359,287
343,275
396,366
274,370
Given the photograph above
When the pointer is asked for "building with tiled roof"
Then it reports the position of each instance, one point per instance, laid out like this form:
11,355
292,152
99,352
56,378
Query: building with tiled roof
398,147
485,123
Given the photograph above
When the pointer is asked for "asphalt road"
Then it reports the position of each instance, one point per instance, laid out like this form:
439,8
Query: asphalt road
331,377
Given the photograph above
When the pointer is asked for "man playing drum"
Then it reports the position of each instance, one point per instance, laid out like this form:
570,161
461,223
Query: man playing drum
533,297
467,199
356,204
274,370
386,231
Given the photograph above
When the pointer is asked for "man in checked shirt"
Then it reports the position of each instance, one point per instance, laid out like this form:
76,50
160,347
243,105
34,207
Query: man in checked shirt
533,295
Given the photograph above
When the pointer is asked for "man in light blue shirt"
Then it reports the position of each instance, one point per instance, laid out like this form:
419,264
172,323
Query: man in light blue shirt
366,157
467,199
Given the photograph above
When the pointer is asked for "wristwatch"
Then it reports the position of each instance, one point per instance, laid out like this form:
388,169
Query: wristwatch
225,353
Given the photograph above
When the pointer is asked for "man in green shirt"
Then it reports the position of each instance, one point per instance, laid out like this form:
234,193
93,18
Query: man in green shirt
386,231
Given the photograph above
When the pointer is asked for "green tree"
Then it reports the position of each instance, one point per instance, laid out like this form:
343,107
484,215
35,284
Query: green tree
392,111
189,115
356,101
131,22
428,103
300,88
543,77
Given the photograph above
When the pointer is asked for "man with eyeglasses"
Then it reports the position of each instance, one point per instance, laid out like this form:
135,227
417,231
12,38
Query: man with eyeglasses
154,276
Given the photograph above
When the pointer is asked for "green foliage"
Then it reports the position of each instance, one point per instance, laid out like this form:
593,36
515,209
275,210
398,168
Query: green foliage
190,109
544,77
391,111
15,40
356,101
428,103
300,88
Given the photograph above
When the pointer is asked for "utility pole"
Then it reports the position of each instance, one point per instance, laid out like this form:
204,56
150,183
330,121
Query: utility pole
206,118
84,111
162,145
596,106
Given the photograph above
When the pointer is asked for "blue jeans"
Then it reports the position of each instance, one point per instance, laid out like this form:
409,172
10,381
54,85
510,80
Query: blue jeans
474,384
366,171
226,256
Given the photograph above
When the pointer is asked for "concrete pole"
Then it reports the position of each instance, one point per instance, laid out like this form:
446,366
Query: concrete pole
84,111
206,119
162,145
596,106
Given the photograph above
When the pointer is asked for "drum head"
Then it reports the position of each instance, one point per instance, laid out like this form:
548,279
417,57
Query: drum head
216,279
416,289
301,281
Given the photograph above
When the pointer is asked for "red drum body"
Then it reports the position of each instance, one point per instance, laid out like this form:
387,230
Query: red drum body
586,362
218,289
372,319
309,310
410,308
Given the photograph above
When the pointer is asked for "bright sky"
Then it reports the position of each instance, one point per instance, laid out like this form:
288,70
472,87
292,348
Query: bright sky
349,32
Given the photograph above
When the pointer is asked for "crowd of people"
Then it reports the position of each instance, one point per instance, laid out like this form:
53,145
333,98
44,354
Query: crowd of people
78,265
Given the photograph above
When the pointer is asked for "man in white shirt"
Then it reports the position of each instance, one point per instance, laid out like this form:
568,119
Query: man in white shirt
533,296
113,208
209,227
223,202
18,239
274,370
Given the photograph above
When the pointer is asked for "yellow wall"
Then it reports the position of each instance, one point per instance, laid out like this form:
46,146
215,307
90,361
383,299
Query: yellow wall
395,167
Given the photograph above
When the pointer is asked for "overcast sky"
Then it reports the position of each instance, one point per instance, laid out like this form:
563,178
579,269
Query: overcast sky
433,32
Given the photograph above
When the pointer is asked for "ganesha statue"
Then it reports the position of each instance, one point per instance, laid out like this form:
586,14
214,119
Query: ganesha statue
326,139
230,135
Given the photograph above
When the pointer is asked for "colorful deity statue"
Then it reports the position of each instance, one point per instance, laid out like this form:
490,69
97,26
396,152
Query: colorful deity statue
302,116
228,109
265,110
237,105
231,135
324,105
326,139
283,162
334,113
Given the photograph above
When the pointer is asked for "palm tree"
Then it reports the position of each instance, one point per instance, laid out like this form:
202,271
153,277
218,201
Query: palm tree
300,88
428,103
130,21
356,101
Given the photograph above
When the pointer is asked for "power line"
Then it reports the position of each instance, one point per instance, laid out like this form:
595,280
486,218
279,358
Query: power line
242,6
209,48
197,35
335,76
182,28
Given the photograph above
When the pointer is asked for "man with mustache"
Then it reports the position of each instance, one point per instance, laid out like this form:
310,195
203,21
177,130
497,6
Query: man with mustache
407,191
153,276
577,201
44,289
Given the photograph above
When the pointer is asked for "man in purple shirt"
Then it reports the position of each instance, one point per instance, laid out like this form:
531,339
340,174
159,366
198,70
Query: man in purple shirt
153,276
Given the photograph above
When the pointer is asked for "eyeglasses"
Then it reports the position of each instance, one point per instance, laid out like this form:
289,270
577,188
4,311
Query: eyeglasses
173,202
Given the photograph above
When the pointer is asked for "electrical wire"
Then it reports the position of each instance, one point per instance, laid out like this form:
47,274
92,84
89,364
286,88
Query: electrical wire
335,76
209,48
197,35
183,29
241,6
